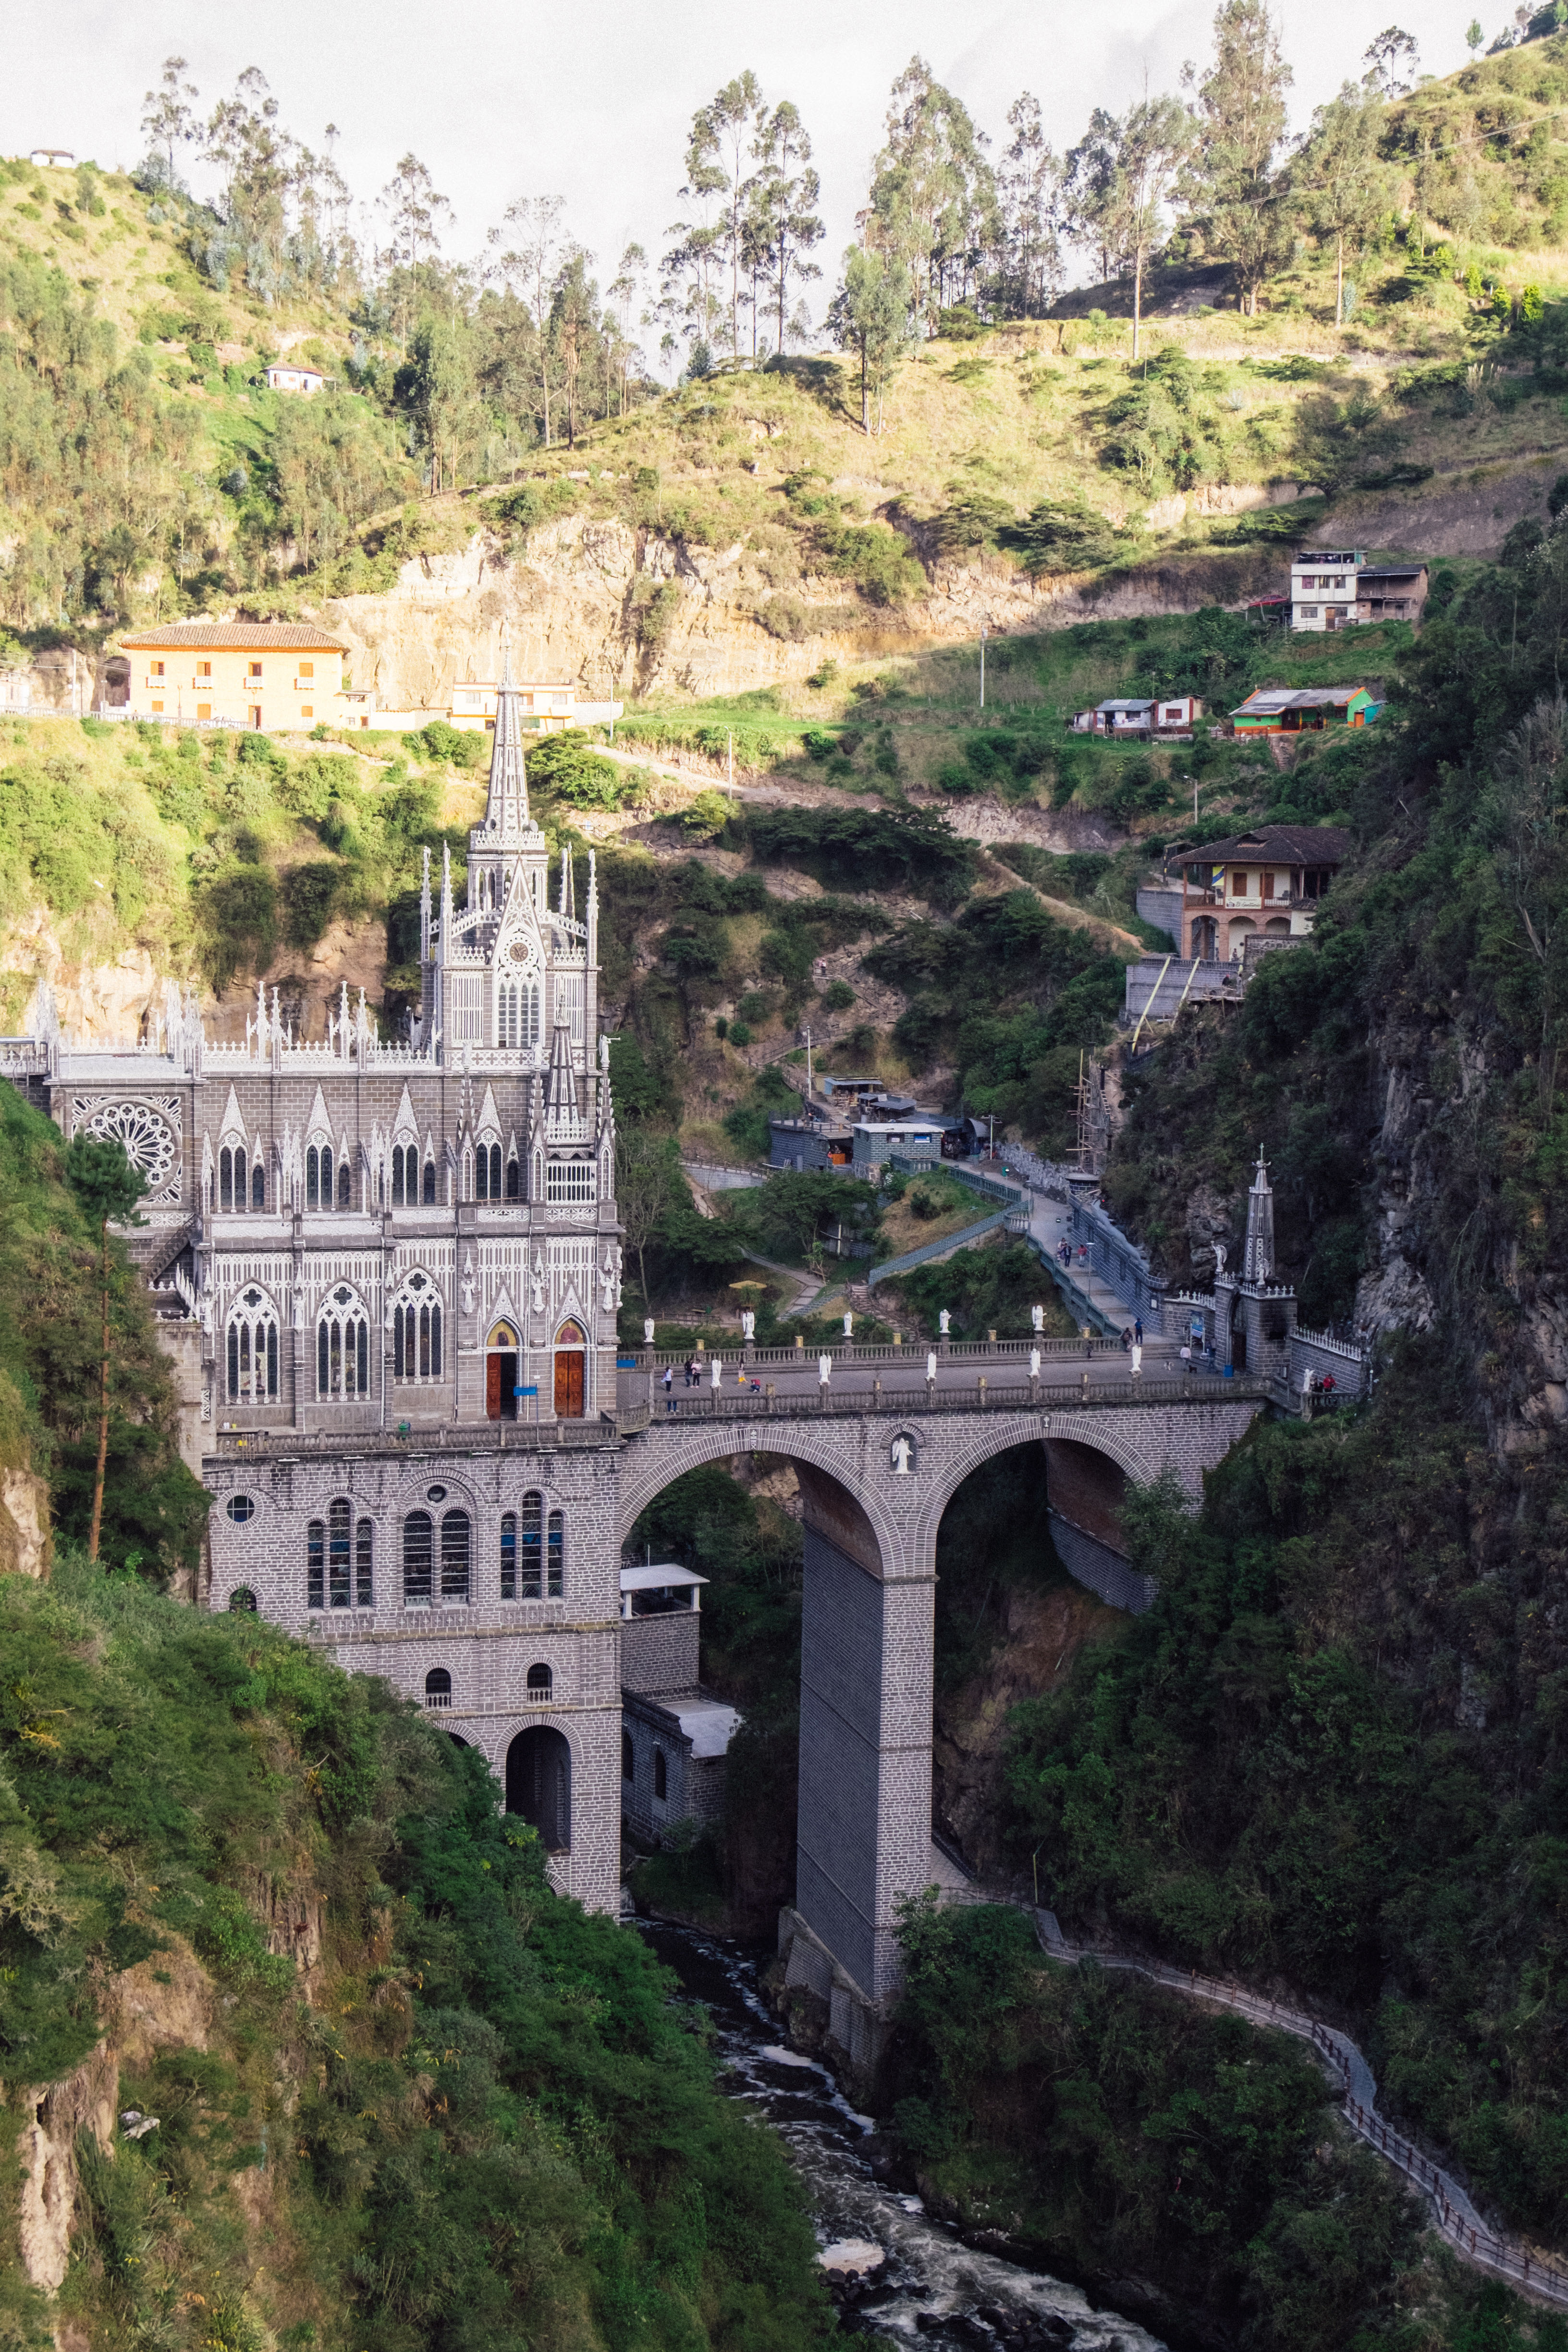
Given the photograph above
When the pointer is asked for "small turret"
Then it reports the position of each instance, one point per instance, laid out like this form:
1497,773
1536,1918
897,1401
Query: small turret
1257,1257
425,907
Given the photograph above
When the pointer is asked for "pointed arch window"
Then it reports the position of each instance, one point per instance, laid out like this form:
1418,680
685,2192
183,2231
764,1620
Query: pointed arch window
417,1332
342,1347
343,1185
252,1348
430,1192
318,1177
258,1184
509,1556
514,1176
488,1172
231,1178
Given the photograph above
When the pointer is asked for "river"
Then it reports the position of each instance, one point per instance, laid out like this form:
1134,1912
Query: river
923,2283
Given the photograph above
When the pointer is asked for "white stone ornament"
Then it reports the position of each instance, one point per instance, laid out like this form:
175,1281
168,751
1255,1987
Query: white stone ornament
1037,1318
538,1283
931,1366
901,1455
1219,1258
942,1321
469,1285
848,1325
748,1326
647,1330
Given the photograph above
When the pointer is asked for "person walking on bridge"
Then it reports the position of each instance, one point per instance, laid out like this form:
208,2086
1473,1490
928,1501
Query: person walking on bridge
669,1388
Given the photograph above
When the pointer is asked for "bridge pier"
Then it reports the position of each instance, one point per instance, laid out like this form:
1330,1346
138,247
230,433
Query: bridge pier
863,1838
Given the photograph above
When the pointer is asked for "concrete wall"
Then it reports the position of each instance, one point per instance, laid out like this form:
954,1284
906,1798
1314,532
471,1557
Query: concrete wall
1162,908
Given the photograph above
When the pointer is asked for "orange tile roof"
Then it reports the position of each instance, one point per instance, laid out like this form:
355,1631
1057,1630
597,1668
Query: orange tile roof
232,635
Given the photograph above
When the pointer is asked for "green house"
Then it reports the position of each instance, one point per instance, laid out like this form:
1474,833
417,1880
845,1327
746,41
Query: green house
1282,711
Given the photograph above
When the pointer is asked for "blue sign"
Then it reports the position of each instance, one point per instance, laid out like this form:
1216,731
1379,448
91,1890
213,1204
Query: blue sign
626,1363
525,1391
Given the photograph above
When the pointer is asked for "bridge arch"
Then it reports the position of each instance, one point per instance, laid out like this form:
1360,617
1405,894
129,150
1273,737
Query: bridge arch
1097,1431
832,1449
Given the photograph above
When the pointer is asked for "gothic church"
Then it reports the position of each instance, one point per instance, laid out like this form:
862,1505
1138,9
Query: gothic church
403,1263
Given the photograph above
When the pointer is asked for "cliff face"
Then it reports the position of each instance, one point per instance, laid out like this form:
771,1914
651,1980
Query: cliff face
569,599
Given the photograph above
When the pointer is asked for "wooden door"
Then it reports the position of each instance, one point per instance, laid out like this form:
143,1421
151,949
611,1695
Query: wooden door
492,1387
569,1384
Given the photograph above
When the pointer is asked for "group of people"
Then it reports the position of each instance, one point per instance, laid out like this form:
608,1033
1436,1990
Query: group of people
691,1376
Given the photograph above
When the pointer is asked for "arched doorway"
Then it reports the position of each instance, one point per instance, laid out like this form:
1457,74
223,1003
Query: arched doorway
500,1373
571,1371
539,1784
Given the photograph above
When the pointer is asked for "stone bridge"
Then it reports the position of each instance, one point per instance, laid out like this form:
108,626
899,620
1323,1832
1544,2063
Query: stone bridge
879,1444
877,1470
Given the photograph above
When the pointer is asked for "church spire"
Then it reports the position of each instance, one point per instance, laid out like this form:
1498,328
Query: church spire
506,809
1257,1257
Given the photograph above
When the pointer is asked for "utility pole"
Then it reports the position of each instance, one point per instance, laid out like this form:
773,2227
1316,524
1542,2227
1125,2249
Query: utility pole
982,630
809,1063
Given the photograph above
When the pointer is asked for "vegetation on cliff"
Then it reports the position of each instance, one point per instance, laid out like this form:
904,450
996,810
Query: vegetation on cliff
50,1332
479,2120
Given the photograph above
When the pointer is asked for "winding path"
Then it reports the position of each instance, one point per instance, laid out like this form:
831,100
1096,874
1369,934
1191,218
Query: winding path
1456,2217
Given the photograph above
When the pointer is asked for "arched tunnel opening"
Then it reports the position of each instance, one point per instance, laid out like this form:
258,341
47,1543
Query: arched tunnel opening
740,1523
1012,1613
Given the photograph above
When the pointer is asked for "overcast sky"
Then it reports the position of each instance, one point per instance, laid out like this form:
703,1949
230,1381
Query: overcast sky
591,101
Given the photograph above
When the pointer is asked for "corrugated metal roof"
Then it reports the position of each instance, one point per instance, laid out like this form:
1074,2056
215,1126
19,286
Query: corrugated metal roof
1306,697
235,637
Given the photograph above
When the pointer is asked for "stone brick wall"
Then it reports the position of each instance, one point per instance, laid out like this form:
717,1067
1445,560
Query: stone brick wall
841,1672
660,1654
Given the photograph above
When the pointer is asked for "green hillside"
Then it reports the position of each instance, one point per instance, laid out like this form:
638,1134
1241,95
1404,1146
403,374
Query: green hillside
1017,442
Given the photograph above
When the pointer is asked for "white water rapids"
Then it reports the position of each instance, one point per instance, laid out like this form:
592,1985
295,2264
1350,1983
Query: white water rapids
925,2284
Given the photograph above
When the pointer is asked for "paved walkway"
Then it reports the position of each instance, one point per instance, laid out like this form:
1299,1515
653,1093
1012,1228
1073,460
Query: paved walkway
1457,2218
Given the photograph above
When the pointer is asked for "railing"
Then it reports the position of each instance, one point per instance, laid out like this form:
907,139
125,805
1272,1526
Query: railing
1457,2218
442,1437
942,1248
978,1353
986,1395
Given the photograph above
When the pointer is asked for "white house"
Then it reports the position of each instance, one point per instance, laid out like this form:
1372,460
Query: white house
287,377
1140,717
548,705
